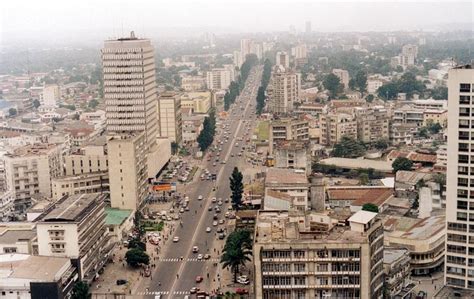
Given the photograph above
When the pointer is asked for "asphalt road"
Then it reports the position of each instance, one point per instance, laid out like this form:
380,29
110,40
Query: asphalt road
165,281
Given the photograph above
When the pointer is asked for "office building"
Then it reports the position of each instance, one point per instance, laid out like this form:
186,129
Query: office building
284,91
75,228
459,270
130,87
220,78
29,171
283,59
343,76
311,256
129,173
50,96
409,54
171,121
308,27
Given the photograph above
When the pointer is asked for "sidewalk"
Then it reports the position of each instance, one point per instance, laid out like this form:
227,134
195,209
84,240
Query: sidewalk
428,284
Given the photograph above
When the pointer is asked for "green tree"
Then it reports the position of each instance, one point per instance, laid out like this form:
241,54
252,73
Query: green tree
136,257
370,98
370,207
333,85
237,251
359,82
12,112
260,100
416,203
381,144
93,103
80,290
136,243
174,148
36,103
401,163
236,187
348,147
388,91
206,136
439,93
363,179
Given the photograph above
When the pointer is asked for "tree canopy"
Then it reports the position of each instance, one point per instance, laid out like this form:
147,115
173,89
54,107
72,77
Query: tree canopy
206,136
359,82
401,163
333,85
370,207
236,187
406,84
267,71
348,147
136,257
80,290
236,252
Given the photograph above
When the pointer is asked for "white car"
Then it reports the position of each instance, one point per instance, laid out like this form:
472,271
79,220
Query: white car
208,229
199,257
195,249
175,239
213,199
214,223
200,197
221,221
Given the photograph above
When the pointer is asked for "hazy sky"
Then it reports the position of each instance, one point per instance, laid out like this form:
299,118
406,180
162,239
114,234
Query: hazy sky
38,19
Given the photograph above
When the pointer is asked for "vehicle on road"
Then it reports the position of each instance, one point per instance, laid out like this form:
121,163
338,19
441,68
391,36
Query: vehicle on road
221,221
213,200
120,282
208,229
200,197
209,209
199,279
214,223
200,256
175,239
243,279
194,290
240,291
221,236
195,249
207,256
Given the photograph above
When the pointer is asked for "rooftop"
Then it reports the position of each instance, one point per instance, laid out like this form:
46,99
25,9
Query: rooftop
32,150
383,166
15,235
391,255
414,228
36,268
360,195
116,216
72,208
362,217
285,176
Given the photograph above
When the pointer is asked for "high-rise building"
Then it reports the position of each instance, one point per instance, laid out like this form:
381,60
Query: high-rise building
130,87
459,263
50,96
409,54
245,47
283,59
171,122
310,255
220,78
284,91
128,173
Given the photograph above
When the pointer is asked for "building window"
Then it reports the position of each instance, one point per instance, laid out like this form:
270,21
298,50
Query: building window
464,87
461,216
464,100
463,135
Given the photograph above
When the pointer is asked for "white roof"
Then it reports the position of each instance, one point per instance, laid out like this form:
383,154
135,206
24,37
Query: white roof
362,216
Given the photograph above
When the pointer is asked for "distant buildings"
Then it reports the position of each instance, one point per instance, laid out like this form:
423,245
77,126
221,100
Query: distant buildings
220,78
308,27
50,96
459,270
343,76
372,124
335,125
288,129
193,83
311,256
282,59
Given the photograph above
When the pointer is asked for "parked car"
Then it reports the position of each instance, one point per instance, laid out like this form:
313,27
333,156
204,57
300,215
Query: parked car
121,282
240,291
199,279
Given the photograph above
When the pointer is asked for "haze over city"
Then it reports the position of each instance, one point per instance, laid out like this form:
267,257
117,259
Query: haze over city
236,149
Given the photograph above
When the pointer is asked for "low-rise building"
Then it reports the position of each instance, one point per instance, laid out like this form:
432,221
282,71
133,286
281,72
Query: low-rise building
93,182
396,264
431,116
335,125
311,256
293,155
423,238
288,129
286,189
118,223
7,205
26,276
198,102
75,228
408,115
402,133
193,83
355,197
18,238
372,123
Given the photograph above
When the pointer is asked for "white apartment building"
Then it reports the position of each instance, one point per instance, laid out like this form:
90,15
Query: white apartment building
50,96
220,78
373,85
238,61
372,123
459,263
283,59
287,129
193,83
30,169
129,173
75,228
299,51
343,76
312,256
335,125
171,121
409,54
408,115
130,87
284,91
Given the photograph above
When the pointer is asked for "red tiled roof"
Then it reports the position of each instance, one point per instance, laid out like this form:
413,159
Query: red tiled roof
361,196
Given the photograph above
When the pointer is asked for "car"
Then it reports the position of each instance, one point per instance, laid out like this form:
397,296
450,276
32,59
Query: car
220,230
218,210
232,155
213,200
209,209
221,221
243,279
195,249
219,203
226,200
214,164
176,217
227,214
181,210
186,208
221,236
223,162
240,291
194,290
207,256
215,217
199,279
200,256
239,154
200,197
175,239
208,229
214,223
120,282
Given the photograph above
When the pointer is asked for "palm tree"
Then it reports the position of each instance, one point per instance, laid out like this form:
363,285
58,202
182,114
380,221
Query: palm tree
236,251
81,291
